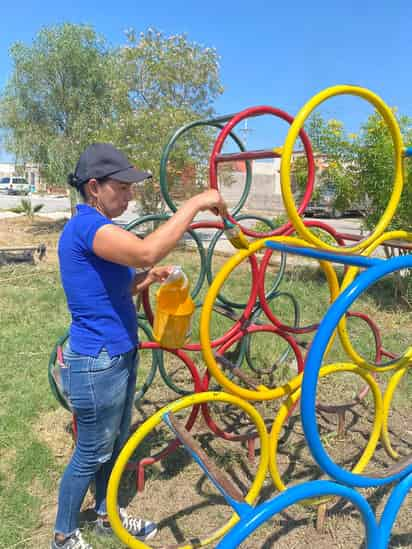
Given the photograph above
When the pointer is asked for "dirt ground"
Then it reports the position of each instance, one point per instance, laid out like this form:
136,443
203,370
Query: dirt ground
180,497
19,231
187,506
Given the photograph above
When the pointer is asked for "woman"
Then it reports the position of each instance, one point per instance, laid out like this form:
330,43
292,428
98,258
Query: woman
97,265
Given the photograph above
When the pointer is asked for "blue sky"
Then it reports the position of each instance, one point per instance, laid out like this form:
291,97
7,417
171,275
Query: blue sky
275,53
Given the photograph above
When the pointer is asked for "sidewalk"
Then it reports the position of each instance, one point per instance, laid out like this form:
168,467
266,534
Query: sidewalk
51,215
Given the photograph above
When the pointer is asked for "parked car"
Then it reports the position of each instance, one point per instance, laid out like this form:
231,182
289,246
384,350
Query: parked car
324,205
14,185
4,184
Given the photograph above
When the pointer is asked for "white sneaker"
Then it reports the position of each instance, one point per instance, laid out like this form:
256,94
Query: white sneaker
139,528
75,541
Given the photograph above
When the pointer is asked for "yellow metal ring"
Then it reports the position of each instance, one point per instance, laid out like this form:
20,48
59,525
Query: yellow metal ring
387,401
285,166
292,399
206,316
352,272
148,426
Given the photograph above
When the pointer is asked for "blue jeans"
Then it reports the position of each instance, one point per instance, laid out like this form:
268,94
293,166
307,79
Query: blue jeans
100,391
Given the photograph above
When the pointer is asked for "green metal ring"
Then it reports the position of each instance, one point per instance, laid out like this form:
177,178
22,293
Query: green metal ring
255,316
216,123
209,258
156,357
54,388
168,380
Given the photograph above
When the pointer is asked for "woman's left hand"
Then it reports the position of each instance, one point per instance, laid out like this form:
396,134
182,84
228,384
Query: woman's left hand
160,273
156,274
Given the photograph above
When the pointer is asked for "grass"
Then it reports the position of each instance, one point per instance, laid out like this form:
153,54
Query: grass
34,315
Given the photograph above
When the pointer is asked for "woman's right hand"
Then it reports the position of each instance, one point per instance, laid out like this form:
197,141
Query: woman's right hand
213,201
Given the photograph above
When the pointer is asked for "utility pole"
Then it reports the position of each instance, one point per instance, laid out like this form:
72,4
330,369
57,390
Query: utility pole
245,131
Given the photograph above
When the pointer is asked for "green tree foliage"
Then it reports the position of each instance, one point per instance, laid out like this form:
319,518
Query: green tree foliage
57,98
376,170
360,167
334,154
167,81
69,89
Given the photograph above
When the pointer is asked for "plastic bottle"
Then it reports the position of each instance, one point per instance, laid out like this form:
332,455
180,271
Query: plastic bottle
174,310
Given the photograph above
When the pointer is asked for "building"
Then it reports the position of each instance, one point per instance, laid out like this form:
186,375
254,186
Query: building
265,192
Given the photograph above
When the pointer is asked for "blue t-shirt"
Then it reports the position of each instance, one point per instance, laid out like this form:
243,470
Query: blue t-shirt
98,292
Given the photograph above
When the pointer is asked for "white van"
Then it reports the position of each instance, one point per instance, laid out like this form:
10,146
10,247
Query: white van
14,185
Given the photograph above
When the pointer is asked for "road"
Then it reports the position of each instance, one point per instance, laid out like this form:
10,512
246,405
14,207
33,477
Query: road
51,203
59,206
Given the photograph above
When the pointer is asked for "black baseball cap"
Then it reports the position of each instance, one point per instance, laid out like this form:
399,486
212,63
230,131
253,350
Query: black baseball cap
101,160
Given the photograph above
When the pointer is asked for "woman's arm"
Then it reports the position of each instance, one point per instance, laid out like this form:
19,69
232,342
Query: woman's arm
119,246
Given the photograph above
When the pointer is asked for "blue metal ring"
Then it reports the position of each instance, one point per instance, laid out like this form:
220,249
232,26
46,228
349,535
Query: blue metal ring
314,362
326,255
293,495
392,508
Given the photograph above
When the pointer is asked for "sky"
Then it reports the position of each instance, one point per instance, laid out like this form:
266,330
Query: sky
271,52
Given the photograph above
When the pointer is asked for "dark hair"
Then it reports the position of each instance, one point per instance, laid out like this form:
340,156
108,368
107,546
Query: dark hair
75,182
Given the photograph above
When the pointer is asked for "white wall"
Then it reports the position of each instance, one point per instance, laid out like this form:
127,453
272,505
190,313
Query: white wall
265,194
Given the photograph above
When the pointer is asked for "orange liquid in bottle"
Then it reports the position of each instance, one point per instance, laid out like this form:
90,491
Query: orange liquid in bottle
174,310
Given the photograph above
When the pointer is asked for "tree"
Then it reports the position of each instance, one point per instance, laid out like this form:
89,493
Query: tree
334,152
69,89
167,82
360,167
58,97
376,170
